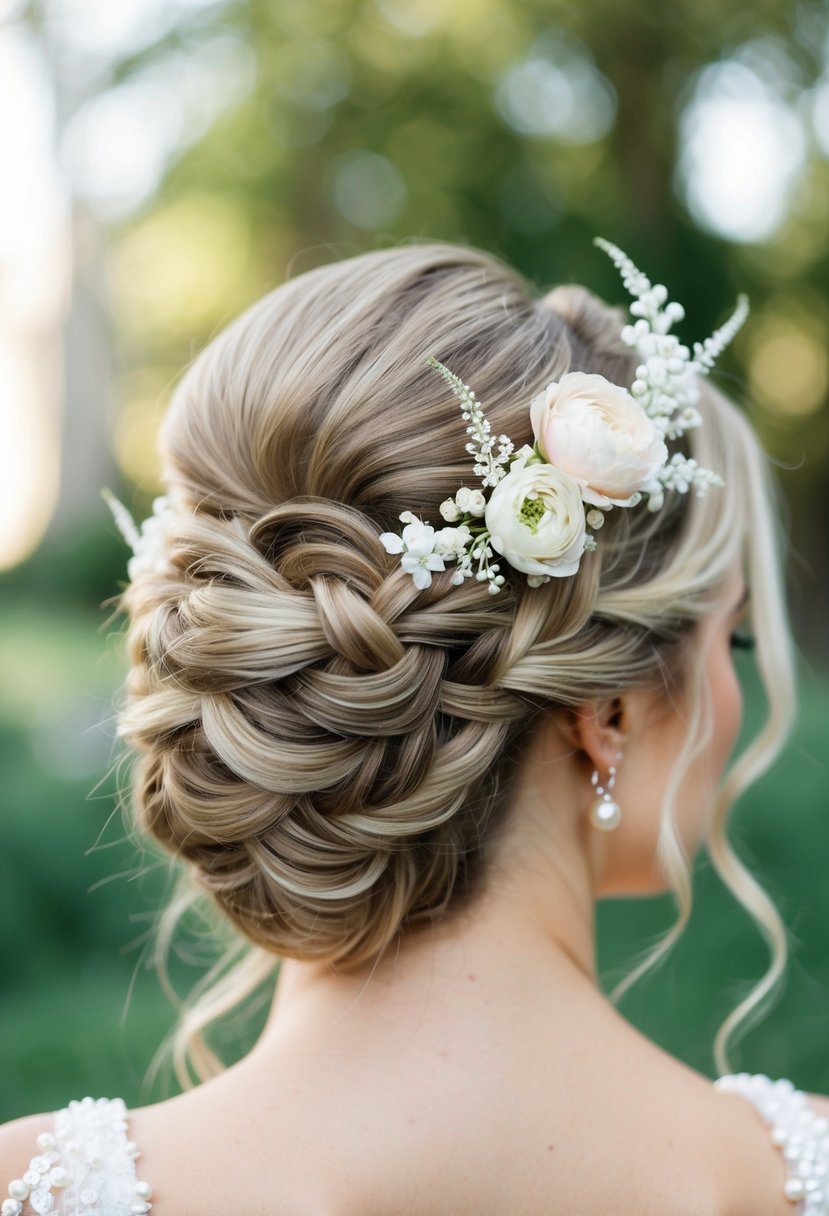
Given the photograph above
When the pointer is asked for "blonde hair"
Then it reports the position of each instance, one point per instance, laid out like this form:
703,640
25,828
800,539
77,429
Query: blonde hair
331,751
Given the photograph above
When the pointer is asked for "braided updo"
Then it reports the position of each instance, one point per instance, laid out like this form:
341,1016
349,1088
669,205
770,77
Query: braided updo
328,748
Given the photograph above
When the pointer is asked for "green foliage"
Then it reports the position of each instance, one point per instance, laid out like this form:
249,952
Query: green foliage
83,566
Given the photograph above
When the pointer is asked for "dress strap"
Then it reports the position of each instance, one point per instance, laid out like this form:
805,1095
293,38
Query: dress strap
85,1168
795,1127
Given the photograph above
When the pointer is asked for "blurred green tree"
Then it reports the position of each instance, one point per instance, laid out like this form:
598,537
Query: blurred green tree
525,127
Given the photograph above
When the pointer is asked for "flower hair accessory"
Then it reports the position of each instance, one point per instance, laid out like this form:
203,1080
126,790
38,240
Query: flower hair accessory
148,542
597,446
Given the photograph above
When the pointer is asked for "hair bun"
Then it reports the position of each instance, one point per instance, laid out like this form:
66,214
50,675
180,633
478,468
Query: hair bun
593,322
330,748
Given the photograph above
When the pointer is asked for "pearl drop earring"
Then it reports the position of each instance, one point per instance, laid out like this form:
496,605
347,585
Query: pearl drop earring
605,813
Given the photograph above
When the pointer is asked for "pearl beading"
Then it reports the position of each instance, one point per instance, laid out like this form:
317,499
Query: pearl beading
86,1167
801,1134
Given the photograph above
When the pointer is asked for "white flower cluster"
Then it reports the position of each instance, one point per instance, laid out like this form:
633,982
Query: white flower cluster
597,446
681,473
490,467
665,383
149,542
425,550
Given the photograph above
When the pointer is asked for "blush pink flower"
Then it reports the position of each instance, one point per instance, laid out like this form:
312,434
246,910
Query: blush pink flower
599,434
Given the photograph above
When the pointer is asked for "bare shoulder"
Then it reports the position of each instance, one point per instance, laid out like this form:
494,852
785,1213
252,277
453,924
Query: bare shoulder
625,1129
751,1170
18,1144
690,1148
697,1148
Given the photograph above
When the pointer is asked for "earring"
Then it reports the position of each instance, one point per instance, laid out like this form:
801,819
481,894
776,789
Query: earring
605,813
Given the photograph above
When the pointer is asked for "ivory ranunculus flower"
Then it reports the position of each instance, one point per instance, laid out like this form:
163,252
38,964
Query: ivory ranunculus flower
595,431
535,517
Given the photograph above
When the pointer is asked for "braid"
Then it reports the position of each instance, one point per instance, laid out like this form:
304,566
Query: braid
309,727
329,749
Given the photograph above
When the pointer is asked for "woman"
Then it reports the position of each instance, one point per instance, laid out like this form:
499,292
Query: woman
412,786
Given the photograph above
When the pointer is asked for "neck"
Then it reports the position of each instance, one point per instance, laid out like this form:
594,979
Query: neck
534,916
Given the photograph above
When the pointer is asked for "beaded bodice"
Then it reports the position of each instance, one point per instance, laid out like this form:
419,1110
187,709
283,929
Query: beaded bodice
85,1167
797,1130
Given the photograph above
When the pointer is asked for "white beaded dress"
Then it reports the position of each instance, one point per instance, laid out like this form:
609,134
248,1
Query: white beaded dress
86,1165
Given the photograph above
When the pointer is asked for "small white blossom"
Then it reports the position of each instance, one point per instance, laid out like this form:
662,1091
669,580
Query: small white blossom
595,518
469,501
391,542
420,566
452,540
423,549
450,511
656,496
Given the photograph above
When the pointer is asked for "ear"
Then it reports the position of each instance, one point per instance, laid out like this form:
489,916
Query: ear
599,729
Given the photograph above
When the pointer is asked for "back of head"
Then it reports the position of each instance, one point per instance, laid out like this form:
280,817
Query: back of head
329,748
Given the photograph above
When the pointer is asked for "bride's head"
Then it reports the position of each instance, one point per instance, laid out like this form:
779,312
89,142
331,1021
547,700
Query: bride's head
340,757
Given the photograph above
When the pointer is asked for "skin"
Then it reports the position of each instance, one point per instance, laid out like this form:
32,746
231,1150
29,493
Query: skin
479,1068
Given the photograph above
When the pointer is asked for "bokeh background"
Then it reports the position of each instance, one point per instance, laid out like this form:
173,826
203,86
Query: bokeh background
165,162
